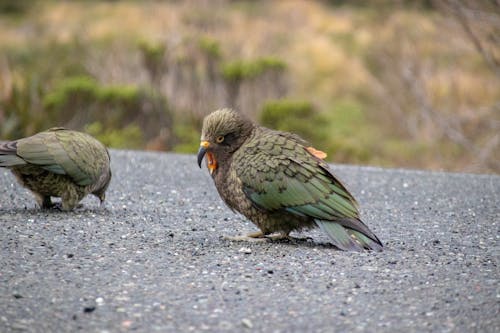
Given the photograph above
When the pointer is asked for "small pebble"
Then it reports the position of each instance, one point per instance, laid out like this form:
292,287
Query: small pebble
247,322
88,309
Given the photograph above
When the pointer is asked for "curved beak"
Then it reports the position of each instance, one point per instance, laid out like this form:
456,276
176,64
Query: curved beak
202,151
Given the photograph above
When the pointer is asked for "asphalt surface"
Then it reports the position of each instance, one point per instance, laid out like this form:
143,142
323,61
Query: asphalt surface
154,260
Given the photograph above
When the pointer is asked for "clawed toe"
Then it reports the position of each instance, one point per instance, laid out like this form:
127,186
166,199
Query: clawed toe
246,238
56,206
59,206
258,237
279,237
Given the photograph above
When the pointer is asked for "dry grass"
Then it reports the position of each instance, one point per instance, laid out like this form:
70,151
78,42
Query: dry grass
328,50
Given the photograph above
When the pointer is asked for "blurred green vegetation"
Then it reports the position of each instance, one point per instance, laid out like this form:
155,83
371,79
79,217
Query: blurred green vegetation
367,82
153,55
350,139
296,116
211,46
240,70
115,113
14,7
187,134
129,137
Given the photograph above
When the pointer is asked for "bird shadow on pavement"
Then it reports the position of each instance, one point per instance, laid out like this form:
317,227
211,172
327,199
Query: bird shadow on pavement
35,210
305,241
290,241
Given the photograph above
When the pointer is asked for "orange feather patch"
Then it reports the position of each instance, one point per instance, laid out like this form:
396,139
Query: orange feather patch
317,153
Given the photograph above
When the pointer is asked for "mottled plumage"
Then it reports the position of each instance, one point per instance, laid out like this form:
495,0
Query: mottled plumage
279,182
59,163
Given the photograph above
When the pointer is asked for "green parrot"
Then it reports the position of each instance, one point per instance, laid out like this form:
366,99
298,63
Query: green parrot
59,163
279,182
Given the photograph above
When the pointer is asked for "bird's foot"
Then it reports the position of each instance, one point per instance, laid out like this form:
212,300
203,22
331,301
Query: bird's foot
258,237
57,206
46,206
65,208
255,237
44,201
79,206
279,237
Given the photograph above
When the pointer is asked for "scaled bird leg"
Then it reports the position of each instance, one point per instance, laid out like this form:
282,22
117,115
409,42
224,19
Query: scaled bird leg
254,237
44,201
279,236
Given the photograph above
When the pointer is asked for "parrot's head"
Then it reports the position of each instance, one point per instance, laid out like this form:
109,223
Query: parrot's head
223,132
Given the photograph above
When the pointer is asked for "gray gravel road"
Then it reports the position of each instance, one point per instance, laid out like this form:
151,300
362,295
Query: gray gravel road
154,258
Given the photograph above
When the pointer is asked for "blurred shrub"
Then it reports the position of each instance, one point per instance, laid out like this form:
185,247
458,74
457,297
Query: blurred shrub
78,101
49,59
241,69
129,137
351,137
70,95
153,58
295,116
210,46
187,134
21,112
342,131
16,7
27,74
267,69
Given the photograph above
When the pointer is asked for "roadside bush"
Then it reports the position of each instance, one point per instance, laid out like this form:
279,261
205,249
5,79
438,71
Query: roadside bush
294,116
129,137
113,111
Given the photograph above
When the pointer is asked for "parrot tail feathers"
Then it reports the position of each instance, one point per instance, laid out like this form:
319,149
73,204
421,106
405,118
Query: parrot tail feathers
367,242
347,239
339,236
8,157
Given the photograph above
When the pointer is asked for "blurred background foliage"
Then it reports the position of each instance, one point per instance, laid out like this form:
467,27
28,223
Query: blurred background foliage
390,83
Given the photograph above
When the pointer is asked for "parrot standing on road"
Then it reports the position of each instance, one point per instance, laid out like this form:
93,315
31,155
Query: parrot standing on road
279,182
59,163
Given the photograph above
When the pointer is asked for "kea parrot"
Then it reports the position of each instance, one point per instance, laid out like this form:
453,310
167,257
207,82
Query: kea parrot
279,182
59,163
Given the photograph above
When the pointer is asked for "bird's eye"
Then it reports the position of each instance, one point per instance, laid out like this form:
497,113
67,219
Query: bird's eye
219,139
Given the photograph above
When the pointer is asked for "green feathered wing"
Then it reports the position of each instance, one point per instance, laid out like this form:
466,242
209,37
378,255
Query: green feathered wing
281,175
65,152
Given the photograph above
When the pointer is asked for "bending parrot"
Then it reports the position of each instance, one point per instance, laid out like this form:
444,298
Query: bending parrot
59,163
